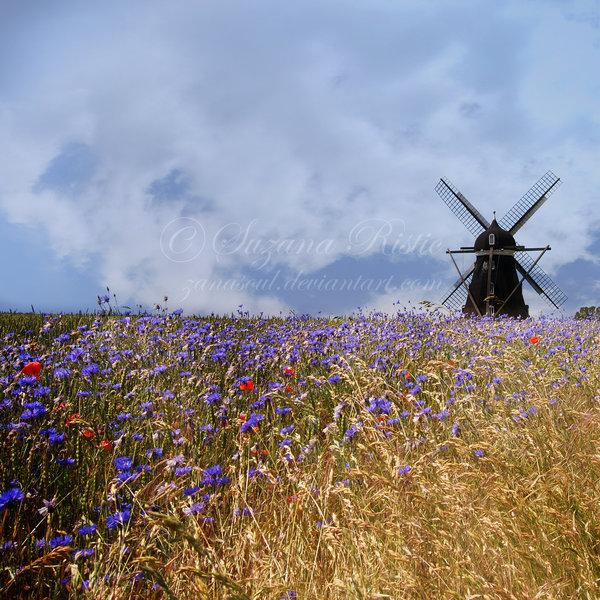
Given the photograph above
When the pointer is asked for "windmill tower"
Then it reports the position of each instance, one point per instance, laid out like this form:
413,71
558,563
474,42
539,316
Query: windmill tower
492,285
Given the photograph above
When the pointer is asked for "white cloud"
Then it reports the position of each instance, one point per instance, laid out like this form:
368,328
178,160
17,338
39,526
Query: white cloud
307,118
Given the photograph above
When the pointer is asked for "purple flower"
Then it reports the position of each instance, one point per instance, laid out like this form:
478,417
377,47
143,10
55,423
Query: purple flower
13,494
379,406
252,421
183,470
61,540
193,509
87,529
352,431
118,518
123,463
33,410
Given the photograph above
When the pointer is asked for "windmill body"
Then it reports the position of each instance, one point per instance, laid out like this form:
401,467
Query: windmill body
505,291
492,285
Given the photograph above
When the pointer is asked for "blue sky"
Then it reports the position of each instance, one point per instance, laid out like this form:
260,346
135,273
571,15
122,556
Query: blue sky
284,156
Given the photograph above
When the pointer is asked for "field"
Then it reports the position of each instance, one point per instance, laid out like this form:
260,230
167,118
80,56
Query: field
407,456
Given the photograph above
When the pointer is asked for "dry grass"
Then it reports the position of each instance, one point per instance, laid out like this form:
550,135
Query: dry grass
519,522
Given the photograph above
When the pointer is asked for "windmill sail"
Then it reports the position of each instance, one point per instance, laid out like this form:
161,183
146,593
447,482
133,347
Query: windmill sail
457,297
522,211
467,214
539,280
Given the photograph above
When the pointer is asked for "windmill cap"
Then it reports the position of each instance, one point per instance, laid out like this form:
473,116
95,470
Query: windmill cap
503,239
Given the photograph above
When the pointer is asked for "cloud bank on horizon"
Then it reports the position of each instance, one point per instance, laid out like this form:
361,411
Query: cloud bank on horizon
284,156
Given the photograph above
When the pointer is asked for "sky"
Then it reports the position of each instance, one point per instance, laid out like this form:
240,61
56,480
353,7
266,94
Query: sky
284,156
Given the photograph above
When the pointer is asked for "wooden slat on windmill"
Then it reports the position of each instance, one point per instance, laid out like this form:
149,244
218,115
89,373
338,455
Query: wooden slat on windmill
498,290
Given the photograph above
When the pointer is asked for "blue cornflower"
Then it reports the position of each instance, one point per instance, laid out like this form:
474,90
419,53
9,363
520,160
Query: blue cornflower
87,529
379,406
157,452
13,494
90,369
56,438
283,410
253,472
118,518
213,476
479,453
33,410
63,462
212,398
194,508
259,403
252,421
61,373
213,471
123,463
8,545
61,540
287,429
183,470
404,470
334,378
352,431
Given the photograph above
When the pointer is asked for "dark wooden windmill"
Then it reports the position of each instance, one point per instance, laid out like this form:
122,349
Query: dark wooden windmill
492,285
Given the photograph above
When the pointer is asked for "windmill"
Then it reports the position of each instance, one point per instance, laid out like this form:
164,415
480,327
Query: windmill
492,286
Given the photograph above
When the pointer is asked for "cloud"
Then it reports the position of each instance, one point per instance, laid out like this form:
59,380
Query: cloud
299,122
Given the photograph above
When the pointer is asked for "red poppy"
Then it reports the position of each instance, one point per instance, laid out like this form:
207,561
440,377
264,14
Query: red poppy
407,376
247,385
88,433
32,369
106,445
290,499
289,371
289,389
71,418
243,417
534,339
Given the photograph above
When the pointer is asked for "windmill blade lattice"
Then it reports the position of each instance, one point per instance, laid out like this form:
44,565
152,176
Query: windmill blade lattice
521,212
541,279
467,214
457,297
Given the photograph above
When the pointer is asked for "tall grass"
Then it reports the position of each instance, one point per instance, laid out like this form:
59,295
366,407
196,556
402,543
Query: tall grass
429,458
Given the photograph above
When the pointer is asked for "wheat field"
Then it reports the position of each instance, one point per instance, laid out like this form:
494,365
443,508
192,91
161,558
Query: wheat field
413,456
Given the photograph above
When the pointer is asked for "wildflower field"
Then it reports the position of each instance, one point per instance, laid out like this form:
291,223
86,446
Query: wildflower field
406,456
